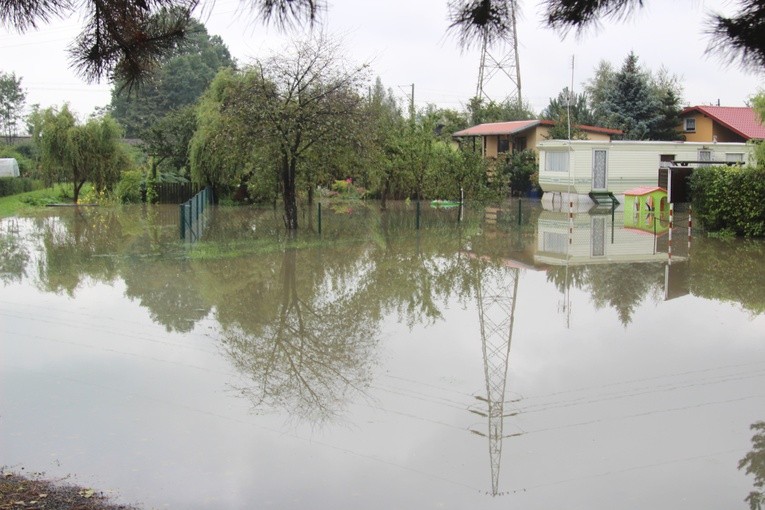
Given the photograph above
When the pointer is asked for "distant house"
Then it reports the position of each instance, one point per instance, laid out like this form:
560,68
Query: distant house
721,124
497,138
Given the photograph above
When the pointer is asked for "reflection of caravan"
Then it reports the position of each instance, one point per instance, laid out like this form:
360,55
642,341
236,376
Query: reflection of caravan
594,239
589,168
9,167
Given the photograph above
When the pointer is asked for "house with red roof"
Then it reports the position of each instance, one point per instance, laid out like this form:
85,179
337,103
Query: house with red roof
496,138
721,124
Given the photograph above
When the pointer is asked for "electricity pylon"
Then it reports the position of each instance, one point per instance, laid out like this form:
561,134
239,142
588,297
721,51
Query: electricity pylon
501,63
497,287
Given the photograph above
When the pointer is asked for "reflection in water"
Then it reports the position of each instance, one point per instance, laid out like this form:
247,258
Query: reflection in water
14,254
309,356
754,464
496,290
302,322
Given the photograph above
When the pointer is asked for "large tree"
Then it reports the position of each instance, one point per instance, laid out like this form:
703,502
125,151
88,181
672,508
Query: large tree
179,81
481,111
301,100
629,103
643,104
381,145
220,151
80,152
559,108
12,98
168,139
285,106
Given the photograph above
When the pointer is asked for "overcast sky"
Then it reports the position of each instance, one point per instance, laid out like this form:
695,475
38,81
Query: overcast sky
406,42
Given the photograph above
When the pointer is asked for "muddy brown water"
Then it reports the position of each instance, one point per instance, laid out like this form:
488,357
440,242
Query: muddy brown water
487,361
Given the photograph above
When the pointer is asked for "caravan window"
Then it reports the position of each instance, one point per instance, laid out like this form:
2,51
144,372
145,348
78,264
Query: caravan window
734,157
705,155
665,160
556,161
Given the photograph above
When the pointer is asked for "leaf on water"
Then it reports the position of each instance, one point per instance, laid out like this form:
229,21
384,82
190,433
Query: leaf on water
87,493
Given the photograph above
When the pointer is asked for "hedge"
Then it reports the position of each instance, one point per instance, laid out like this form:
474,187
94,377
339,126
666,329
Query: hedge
15,185
730,199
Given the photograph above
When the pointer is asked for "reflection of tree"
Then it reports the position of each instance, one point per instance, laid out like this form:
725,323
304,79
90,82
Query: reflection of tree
565,278
621,286
754,462
81,243
311,353
727,270
14,256
168,289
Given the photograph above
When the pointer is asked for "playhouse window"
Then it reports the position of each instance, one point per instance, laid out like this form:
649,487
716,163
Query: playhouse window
556,161
690,125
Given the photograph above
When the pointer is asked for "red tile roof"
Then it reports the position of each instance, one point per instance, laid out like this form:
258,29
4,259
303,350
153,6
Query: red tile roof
518,126
739,119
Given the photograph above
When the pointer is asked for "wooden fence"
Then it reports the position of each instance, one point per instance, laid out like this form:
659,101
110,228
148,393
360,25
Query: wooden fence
176,192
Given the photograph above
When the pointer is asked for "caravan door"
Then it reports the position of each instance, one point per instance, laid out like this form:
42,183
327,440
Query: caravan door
599,167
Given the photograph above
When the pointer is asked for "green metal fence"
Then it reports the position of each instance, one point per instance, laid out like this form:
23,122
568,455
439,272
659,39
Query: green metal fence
193,219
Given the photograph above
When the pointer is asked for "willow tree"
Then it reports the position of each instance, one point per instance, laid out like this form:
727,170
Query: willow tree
80,153
219,149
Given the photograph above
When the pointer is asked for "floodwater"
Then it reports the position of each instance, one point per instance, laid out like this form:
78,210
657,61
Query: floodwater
513,359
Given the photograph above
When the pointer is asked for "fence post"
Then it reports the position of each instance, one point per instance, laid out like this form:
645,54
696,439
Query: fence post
417,221
319,217
520,211
671,225
183,223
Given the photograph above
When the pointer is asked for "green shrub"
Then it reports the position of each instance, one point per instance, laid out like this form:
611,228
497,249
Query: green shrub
15,185
128,189
730,199
520,171
39,200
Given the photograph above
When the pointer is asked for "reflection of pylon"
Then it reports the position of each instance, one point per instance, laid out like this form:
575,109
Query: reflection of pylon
496,289
501,63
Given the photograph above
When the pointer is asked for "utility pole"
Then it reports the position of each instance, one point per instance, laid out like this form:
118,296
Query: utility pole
411,106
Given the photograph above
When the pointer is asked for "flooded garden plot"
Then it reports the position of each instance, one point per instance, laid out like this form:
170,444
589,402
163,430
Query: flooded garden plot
501,358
